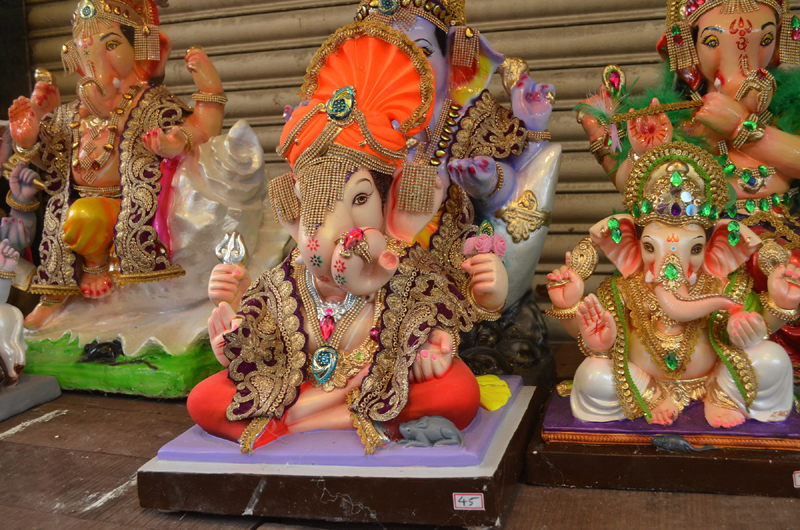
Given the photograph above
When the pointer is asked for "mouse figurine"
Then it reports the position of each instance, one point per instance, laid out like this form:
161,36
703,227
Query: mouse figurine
674,443
430,431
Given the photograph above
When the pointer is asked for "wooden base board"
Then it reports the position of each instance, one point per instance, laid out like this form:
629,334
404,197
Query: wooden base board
732,471
447,496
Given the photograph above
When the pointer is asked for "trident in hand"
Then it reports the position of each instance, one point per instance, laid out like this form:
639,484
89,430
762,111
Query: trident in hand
232,250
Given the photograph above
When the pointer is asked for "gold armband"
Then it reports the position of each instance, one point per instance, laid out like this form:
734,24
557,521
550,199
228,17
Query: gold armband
563,314
500,178
749,131
538,136
778,312
28,153
190,139
20,207
204,97
8,275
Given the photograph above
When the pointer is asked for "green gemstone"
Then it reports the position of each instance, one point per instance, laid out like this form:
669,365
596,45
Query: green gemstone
635,210
750,125
763,171
616,235
746,174
734,237
676,29
795,23
676,179
786,198
776,199
671,360
647,207
732,211
763,204
733,226
714,215
729,168
705,209
750,205
487,228
613,223
671,271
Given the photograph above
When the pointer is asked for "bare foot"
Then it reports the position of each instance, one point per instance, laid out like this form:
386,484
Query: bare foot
96,285
722,417
665,412
39,315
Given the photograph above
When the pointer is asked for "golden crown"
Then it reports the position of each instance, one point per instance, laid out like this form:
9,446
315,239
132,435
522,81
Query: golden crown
676,184
142,15
442,13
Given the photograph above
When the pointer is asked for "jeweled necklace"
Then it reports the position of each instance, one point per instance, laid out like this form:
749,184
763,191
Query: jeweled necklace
95,124
752,179
333,320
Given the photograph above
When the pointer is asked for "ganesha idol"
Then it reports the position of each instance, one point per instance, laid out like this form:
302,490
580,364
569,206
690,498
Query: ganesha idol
358,328
137,185
725,93
681,322
502,158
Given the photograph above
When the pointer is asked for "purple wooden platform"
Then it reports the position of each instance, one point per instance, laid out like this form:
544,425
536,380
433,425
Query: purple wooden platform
342,448
691,421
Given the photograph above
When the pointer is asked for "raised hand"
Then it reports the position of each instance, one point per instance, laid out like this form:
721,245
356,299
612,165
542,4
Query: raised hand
8,256
721,114
596,325
784,286
223,320
648,132
204,74
166,145
434,358
746,329
478,176
568,294
44,99
488,279
533,102
21,183
23,123
228,284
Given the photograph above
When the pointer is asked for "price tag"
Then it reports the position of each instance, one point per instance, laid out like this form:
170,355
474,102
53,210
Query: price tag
468,501
797,479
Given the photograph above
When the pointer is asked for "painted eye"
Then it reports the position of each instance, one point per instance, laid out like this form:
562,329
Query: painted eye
112,45
360,199
648,247
711,41
697,249
427,51
767,40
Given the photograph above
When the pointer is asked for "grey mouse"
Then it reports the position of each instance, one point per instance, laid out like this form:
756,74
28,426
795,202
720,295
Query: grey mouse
429,431
674,443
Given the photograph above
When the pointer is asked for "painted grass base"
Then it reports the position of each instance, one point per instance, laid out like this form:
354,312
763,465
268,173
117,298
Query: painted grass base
154,374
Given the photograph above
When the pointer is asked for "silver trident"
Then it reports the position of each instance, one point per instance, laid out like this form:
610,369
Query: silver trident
232,250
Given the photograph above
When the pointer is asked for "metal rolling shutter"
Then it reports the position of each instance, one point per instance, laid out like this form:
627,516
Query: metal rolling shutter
262,48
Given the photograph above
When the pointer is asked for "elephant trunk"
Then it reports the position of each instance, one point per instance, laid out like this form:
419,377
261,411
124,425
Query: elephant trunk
685,309
373,276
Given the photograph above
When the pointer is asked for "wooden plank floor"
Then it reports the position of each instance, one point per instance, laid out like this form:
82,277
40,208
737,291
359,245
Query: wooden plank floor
72,464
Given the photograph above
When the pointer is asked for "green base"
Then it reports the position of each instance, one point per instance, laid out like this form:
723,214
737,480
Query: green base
155,373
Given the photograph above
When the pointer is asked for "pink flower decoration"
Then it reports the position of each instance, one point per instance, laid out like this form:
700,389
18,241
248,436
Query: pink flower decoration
469,246
483,244
499,245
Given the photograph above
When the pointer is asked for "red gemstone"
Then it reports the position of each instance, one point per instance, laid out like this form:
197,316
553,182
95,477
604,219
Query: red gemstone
795,33
373,334
701,2
353,238
615,79
678,40
327,326
761,73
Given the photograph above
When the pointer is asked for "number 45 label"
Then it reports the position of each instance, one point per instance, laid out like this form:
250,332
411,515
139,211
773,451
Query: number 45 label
468,501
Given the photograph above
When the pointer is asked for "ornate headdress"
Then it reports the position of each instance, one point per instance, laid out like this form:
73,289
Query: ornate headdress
92,15
683,14
676,184
369,89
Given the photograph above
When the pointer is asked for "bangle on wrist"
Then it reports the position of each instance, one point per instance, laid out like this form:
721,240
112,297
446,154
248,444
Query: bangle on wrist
775,310
21,207
588,352
748,131
189,139
563,314
28,153
205,97
8,275
500,178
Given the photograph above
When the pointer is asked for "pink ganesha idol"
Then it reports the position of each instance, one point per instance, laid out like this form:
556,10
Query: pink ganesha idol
357,328
682,321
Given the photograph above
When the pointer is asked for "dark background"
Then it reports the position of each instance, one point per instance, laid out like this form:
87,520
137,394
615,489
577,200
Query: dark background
15,75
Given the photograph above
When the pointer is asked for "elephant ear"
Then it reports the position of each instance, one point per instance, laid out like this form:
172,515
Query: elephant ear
468,82
721,258
625,255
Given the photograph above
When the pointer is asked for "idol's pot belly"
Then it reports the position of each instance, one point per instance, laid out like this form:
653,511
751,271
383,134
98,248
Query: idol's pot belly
702,363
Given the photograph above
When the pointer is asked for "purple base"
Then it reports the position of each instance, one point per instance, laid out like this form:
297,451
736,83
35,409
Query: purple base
343,448
690,422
